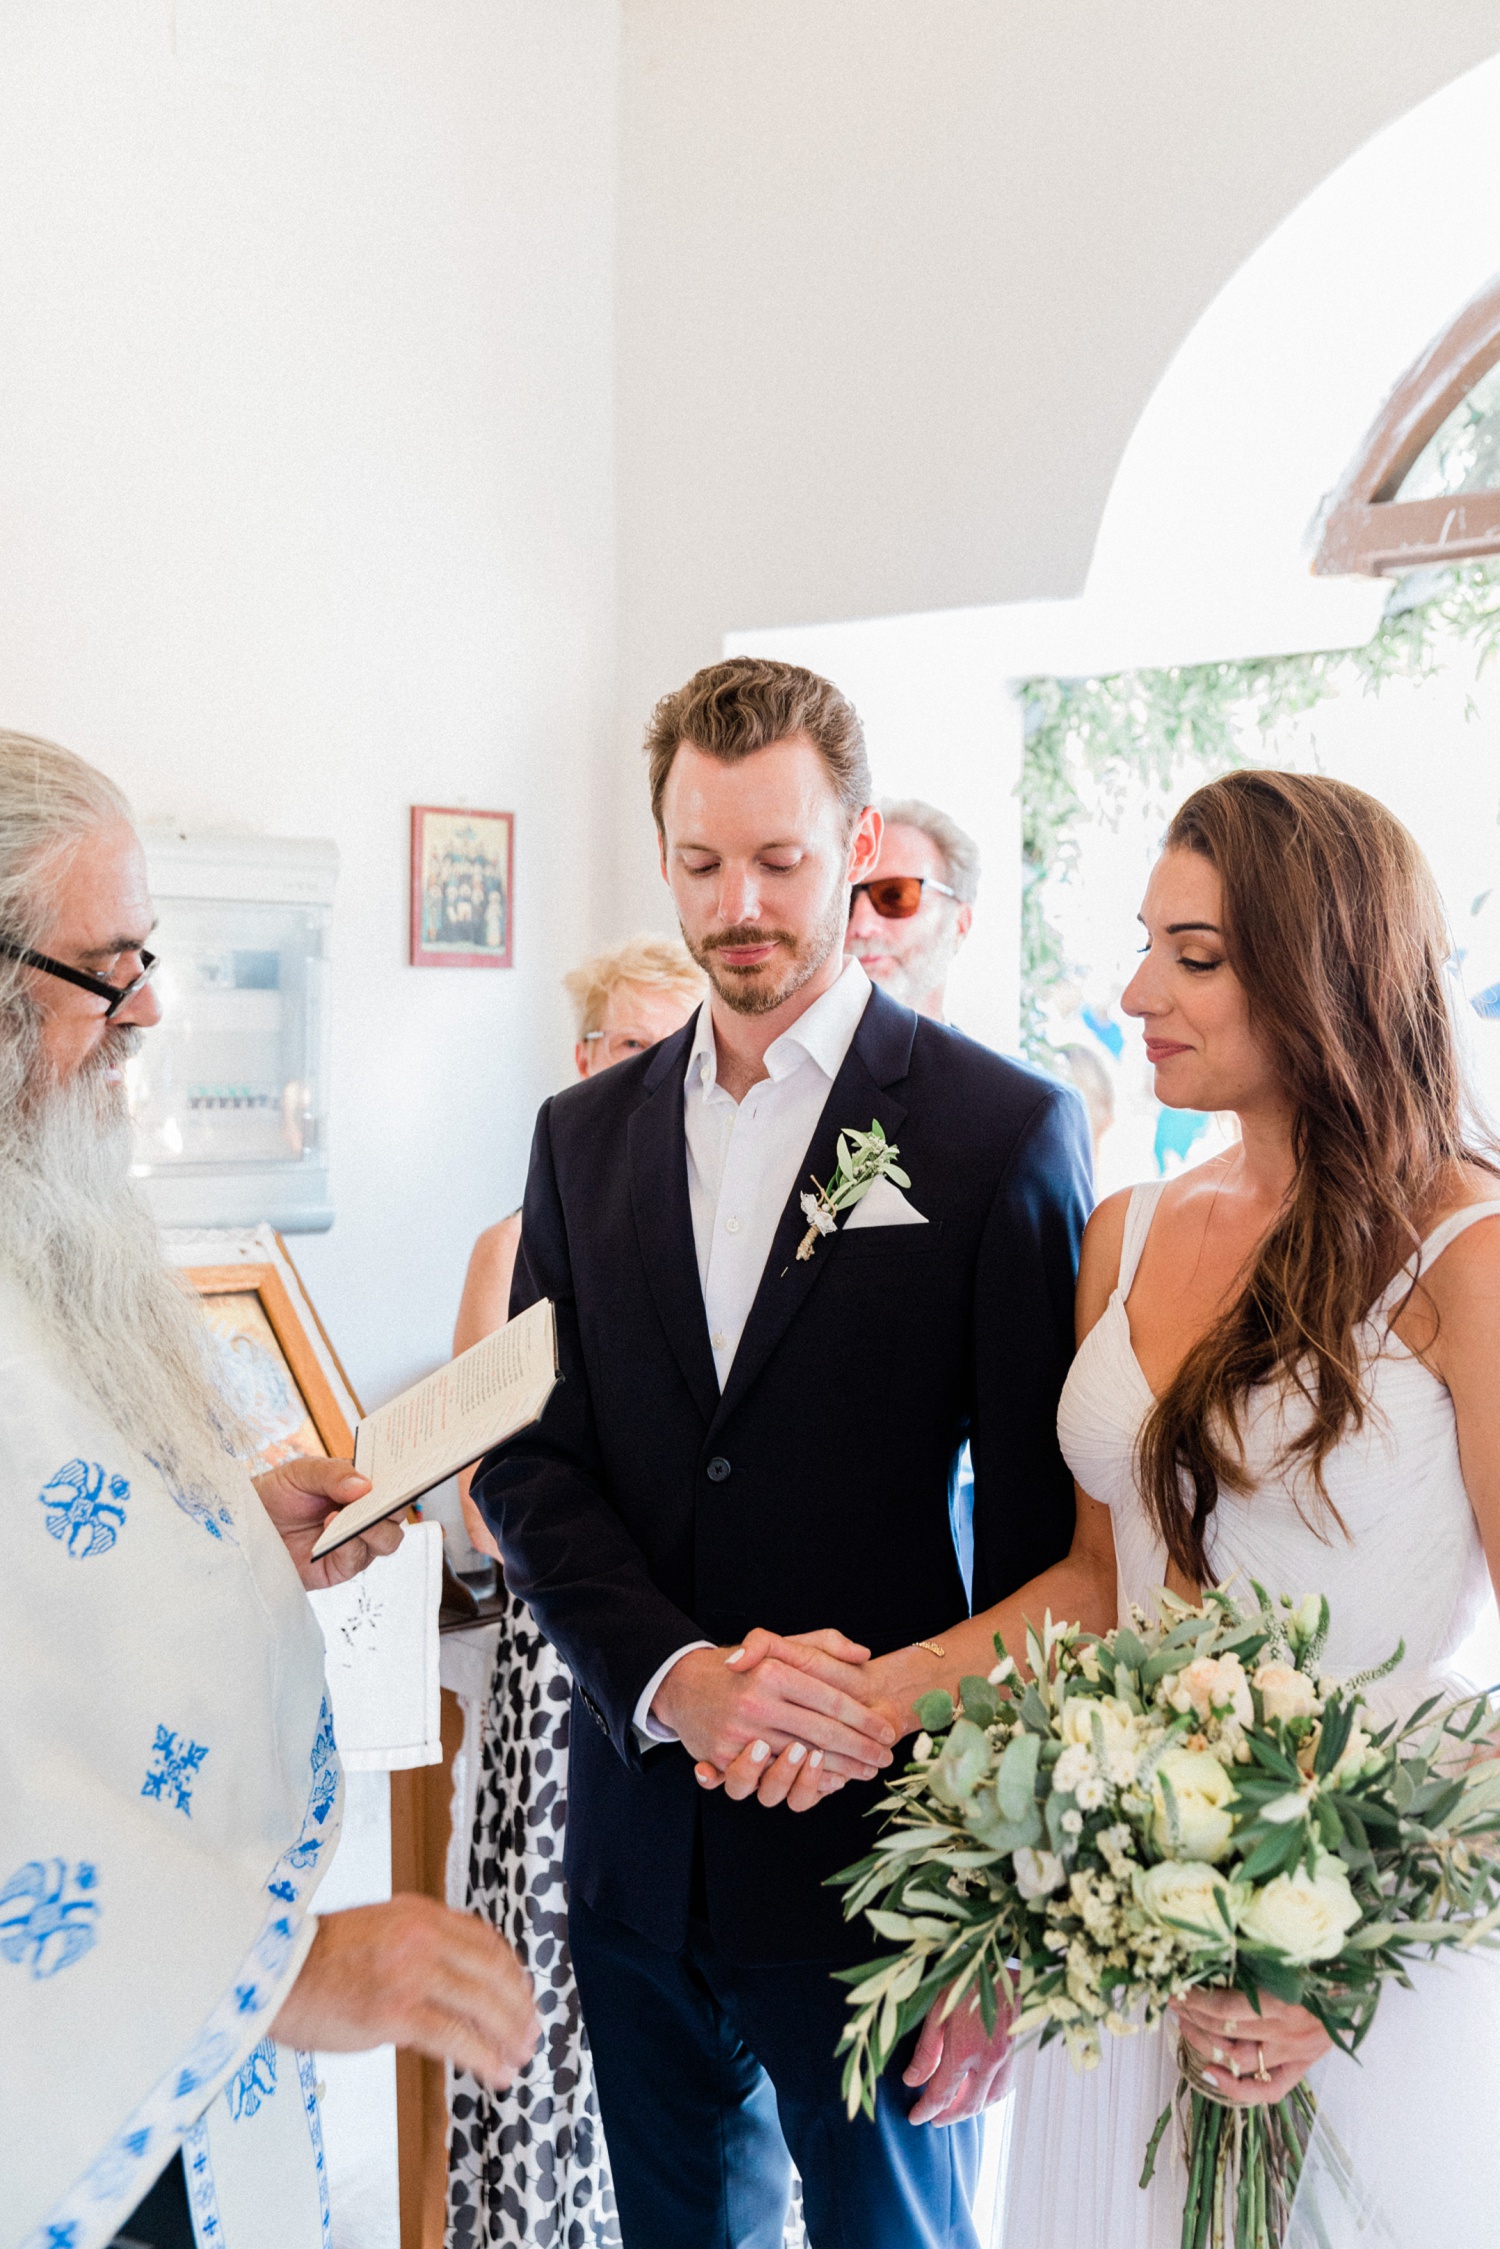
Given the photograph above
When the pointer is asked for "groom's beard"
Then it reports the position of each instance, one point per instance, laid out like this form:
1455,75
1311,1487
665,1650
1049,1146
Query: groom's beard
757,990
78,1238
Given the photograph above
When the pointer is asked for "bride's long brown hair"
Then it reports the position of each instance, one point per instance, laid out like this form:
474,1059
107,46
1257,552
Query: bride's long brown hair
1333,926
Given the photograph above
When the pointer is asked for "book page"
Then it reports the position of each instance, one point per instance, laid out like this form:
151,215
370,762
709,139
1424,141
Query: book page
451,1420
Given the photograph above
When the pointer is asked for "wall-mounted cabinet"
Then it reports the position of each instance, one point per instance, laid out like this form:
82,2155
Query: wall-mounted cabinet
230,1093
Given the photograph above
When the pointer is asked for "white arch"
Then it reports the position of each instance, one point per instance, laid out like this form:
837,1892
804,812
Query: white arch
1203,549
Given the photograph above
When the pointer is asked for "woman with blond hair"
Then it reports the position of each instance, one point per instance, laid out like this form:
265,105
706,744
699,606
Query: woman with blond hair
529,2165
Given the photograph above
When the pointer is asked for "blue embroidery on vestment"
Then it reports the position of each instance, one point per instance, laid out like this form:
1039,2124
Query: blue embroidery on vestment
174,1768
307,2076
205,1506
120,2176
199,2173
253,2082
323,1794
41,1927
85,1507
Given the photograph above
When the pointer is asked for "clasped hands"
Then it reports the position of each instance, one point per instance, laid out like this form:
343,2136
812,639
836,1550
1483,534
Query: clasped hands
785,1718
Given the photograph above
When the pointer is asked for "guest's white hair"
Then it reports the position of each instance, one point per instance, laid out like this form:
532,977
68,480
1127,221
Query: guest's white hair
75,1232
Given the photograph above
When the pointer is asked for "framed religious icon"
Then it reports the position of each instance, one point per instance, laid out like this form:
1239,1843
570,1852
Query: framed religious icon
268,1365
462,888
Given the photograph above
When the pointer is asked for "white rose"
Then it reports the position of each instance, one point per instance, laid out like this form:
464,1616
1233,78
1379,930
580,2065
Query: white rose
1202,1791
1287,1693
1303,1916
1038,1873
1075,1764
1185,1896
1214,1686
1121,1727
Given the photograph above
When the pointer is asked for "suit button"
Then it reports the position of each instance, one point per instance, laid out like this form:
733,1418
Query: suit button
718,1469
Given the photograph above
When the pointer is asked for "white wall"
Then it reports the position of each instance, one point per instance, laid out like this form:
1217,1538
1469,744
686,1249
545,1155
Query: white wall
305,478
939,720
897,279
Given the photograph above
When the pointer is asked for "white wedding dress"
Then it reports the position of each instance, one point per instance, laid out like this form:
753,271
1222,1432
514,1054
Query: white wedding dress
1418,2114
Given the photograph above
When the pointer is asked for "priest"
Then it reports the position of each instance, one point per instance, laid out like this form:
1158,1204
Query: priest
169,1781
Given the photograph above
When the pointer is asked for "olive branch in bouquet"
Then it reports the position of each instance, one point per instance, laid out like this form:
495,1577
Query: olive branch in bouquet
1163,1807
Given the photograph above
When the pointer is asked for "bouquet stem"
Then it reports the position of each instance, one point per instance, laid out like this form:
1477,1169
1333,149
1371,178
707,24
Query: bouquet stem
1243,2164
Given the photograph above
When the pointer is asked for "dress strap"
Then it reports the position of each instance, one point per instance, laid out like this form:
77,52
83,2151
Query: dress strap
1457,1222
1138,1216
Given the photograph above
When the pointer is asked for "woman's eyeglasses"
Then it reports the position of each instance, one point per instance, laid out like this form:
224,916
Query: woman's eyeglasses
115,995
897,897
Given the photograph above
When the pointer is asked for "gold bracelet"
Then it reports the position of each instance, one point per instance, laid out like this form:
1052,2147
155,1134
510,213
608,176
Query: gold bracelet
933,1647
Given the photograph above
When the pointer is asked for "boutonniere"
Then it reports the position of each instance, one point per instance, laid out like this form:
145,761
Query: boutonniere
864,1157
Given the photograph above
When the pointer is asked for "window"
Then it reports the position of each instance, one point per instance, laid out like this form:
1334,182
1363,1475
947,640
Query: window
1425,486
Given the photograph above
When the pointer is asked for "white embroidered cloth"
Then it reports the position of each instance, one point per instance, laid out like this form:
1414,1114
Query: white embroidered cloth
169,1797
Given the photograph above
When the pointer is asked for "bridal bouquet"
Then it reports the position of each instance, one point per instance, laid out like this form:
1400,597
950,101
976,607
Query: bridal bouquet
1164,1807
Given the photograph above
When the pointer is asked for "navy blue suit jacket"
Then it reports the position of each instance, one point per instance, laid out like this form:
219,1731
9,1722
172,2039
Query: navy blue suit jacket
645,1509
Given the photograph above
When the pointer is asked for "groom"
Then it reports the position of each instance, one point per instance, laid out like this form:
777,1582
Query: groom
745,1437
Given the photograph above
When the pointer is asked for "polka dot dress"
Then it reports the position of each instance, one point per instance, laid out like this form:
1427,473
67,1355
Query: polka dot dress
527,2168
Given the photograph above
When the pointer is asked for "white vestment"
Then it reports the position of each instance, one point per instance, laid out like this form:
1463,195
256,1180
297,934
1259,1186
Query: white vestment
170,1797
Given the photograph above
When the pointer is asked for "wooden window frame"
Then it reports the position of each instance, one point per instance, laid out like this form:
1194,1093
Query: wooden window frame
1365,528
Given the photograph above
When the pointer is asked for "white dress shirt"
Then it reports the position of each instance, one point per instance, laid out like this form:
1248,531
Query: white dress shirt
743,1160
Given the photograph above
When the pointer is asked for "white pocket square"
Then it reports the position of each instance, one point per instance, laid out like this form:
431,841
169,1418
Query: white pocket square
885,1205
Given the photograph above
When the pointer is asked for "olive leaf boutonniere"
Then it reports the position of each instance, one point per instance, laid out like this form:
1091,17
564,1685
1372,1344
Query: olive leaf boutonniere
864,1157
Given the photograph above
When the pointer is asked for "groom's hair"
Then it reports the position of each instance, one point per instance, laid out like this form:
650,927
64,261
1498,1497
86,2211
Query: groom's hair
731,710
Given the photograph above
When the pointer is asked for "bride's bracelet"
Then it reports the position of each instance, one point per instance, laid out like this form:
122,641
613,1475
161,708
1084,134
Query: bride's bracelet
933,1647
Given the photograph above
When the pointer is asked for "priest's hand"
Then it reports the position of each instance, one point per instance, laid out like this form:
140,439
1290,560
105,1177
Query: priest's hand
959,2065
411,1972
299,1497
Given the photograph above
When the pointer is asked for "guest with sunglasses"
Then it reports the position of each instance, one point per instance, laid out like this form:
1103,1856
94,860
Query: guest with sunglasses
909,917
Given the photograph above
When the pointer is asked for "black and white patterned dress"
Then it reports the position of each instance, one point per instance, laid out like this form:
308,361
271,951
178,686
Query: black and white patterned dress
528,2168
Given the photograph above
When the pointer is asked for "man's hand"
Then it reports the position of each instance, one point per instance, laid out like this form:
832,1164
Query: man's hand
299,1497
962,2068
412,1973
725,1704
798,1777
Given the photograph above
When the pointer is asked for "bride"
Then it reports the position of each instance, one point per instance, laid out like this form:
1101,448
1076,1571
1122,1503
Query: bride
1286,1371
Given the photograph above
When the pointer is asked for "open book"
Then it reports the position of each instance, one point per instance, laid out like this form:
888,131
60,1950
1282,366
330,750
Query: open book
449,1421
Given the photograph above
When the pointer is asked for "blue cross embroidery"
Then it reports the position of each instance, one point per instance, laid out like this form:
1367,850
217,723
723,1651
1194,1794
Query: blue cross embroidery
41,1927
63,2237
173,1769
80,1513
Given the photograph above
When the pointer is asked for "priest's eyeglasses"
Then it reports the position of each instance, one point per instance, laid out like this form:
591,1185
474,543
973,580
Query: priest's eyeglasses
897,897
115,995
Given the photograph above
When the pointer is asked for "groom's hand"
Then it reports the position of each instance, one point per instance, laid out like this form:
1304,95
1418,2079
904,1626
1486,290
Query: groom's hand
728,1704
959,2066
797,1776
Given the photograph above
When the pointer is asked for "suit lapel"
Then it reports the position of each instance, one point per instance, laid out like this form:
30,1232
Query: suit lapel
657,1151
877,1057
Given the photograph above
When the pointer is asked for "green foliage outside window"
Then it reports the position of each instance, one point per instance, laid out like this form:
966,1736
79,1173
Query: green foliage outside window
1174,728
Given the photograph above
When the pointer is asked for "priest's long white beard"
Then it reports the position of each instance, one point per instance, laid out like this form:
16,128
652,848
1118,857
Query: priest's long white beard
76,1233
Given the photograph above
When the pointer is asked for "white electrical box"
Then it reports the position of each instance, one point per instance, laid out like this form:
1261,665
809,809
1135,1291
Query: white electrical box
229,1094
